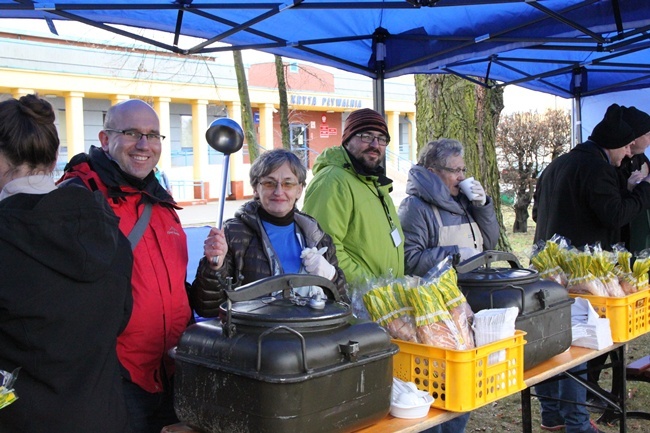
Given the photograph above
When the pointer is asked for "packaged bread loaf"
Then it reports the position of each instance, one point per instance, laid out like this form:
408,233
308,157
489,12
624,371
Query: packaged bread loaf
640,269
388,305
580,279
547,258
434,324
445,280
623,269
602,267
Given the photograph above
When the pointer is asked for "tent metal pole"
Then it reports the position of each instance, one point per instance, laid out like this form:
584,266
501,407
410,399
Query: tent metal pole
378,95
578,86
576,137
378,99
379,46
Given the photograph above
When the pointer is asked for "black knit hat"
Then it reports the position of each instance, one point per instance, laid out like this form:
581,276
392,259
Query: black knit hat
637,119
364,120
613,132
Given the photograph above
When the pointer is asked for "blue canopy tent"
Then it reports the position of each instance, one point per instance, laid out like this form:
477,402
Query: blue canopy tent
571,48
572,70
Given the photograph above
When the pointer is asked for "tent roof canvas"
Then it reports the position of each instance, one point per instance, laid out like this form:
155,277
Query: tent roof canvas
563,47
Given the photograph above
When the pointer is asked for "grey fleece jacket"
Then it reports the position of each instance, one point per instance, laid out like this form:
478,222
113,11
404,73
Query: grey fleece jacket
425,191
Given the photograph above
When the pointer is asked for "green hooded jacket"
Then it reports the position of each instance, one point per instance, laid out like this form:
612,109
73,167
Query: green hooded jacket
348,206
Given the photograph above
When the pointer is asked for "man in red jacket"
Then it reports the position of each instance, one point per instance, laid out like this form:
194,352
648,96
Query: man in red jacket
123,170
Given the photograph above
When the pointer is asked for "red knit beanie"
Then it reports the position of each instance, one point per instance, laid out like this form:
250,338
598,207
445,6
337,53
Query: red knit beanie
364,120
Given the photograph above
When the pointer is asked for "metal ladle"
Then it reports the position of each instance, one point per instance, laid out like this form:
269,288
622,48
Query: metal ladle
226,136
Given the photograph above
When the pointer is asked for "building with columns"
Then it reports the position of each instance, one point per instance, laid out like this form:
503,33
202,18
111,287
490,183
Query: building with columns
82,80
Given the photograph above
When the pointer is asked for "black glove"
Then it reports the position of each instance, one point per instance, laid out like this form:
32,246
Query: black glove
206,294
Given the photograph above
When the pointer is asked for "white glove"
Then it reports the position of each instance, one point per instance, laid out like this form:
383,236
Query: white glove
466,253
635,178
316,264
479,194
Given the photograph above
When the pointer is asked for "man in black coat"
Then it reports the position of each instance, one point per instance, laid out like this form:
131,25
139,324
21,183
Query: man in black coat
579,197
636,234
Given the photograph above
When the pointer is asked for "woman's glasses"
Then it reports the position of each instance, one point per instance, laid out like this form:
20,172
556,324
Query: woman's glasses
271,185
453,170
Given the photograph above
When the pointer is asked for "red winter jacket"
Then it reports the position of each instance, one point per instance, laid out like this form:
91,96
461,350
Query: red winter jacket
161,310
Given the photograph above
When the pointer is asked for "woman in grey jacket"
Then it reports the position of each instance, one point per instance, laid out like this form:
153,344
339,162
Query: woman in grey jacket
438,220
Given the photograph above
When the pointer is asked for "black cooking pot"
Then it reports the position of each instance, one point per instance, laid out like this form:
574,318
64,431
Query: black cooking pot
283,363
544,306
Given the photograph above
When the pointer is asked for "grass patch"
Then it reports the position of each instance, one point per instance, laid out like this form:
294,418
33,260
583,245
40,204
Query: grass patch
521,243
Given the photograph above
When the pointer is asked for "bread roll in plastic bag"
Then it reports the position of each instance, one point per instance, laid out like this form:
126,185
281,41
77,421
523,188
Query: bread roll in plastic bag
433,321
445,280
388,305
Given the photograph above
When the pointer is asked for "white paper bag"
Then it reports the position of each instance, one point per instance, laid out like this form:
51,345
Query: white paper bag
589,330
493,325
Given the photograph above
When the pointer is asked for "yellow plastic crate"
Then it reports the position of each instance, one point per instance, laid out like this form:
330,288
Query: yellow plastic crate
628,317
462,380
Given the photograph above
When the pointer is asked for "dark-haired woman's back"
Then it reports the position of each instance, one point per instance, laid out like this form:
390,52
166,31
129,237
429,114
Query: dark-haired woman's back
64,286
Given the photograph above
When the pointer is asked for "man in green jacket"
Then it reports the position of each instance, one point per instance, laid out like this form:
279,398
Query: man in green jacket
349,196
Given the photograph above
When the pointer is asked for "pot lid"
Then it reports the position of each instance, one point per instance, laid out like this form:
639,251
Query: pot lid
296,312
488,276
479,270
251,305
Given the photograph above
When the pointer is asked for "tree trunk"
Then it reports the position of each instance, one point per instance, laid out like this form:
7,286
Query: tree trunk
246,109
451,107
521,206
284,104
521,220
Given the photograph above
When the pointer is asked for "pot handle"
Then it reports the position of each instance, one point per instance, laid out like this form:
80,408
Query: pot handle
485,258
510,287
281,283
303,345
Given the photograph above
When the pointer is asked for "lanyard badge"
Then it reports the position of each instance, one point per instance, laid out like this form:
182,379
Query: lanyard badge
394,232
397,239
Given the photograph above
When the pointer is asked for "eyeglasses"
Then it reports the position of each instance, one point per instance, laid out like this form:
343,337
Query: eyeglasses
271,185
369,138
453,170
137,135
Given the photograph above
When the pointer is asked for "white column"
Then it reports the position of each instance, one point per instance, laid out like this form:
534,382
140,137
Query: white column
116,99
199,144
413,137
17,93
238,173
161,105
74,123
266,126
392,120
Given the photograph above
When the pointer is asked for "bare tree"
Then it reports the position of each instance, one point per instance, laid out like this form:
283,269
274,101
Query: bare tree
284,104
526,143
247,110
558,123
